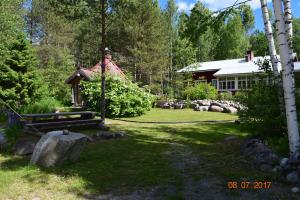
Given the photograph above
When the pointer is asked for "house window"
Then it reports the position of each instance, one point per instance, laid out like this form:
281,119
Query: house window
222,84
214,83
227,83
230,83
242,82
200,81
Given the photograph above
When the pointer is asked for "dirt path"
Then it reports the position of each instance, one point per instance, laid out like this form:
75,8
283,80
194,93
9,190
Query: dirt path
208,187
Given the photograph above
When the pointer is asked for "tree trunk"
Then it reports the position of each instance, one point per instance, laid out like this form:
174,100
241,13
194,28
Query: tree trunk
103,34
272,51
288,77
271,43
288,19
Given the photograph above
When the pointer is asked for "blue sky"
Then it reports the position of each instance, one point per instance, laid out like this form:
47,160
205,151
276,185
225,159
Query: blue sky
186,5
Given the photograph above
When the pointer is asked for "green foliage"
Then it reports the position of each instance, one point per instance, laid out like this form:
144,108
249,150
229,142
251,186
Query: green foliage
234,42
123,98
57,64
12,134
200,91
47,105
259,43
20,84
296,36
225,96
262,114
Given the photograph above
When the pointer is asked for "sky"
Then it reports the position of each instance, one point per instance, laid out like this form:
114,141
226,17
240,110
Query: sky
187,5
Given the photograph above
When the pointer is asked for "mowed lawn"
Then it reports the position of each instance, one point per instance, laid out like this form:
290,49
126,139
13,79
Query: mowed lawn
182,115
167,159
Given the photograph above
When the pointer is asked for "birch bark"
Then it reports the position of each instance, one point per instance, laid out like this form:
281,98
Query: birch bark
288,77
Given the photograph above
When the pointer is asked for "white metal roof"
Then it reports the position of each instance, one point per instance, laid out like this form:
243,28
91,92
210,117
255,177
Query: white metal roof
228,67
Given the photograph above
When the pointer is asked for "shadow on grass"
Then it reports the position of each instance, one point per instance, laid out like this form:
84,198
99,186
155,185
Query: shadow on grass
140,160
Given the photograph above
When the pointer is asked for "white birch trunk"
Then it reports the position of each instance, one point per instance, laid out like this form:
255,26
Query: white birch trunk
288,18
288,77
269,34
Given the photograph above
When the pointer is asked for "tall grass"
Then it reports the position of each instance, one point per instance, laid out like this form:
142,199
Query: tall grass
47,105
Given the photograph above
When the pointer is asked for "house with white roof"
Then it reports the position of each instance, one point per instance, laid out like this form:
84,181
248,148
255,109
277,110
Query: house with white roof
229,75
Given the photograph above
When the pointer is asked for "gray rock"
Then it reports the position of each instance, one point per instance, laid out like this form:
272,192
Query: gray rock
230,138
3,140
55,148
231,110
284,162
204,102
24,147
179,105
295,190
266,168
292,177
277,169
119,134
216,109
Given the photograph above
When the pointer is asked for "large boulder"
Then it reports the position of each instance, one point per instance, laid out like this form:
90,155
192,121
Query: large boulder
204,102
230,109
56,147
24,146
216,109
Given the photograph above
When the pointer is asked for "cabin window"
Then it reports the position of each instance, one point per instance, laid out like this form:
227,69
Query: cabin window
222,83
242,82
230,83
214,83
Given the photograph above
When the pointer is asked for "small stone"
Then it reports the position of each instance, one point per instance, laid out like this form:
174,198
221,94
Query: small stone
119,134
230,138
295,190
284,162
266,168
65,132
277,169
292,177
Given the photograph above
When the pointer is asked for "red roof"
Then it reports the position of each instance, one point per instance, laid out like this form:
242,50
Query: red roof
88,73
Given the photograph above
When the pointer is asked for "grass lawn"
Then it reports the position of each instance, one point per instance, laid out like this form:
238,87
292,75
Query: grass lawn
184,115
171,160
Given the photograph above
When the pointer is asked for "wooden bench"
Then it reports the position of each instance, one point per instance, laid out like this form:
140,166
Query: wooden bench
61,120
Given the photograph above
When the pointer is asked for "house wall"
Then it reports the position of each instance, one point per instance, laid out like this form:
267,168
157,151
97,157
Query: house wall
230,83
208,76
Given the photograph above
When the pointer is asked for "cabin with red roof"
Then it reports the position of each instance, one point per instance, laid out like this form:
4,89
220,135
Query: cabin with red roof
87,74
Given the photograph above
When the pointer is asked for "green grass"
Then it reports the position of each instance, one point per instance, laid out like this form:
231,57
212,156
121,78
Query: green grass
143,159
184,115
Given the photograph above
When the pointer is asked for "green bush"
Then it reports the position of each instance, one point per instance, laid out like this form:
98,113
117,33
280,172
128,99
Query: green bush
262,115
123,98
12,134
200,91
47,105
225,96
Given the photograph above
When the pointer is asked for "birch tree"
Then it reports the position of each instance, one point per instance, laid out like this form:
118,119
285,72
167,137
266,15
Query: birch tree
288,19
288,77
269,34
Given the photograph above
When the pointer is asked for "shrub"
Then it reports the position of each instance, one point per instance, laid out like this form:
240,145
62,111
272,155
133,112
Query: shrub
47,105
225,96
12,134
262,114
200,91
123,98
